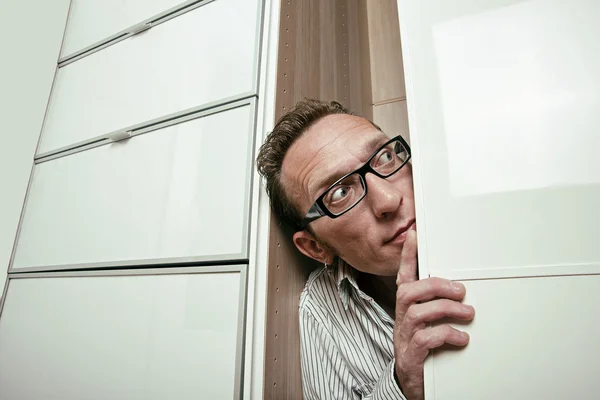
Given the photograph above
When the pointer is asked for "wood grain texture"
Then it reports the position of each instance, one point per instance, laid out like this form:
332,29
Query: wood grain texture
387,69
319,57
392,118
360,59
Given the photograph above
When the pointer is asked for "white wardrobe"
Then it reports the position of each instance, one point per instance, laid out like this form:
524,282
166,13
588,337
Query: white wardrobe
134,270
503,104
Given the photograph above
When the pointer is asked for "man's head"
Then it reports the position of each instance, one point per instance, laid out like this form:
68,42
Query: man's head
311,147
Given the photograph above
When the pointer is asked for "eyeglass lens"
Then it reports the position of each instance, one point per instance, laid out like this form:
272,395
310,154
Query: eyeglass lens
350,190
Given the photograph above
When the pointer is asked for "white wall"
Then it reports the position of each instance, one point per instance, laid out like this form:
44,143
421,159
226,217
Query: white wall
30,39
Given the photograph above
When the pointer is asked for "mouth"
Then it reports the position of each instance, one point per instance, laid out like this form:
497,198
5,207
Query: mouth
400,235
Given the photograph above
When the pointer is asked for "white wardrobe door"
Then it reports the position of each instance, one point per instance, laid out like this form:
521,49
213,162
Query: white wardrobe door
505,122
203,56
179,192
120,337
91,21
532,338
25,84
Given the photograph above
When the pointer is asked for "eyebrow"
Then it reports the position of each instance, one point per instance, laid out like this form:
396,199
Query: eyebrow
369,149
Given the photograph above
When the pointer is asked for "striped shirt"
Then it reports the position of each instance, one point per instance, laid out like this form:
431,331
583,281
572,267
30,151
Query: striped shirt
346,342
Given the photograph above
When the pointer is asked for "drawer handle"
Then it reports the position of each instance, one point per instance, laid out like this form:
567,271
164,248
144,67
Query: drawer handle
139,28
117,136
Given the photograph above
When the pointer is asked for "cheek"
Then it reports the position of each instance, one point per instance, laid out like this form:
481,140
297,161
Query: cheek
352,232
404,183
405,177
346,232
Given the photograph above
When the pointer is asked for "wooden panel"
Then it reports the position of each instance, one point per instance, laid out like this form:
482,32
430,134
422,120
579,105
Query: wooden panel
392,118
288,271
155,74
120,337
151,197
315,60
385,49
361,95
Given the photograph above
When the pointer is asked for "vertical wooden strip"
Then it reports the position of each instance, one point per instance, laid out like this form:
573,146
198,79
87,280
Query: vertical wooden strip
352,38
315,61
282,378
340,44
387,69
327,58
360,58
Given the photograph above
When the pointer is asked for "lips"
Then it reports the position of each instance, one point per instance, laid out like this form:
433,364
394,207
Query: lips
400,234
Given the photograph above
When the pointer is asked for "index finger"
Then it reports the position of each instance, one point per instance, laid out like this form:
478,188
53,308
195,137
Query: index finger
408,259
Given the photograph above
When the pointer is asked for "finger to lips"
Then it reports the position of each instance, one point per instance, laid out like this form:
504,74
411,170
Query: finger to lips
433,337
408,259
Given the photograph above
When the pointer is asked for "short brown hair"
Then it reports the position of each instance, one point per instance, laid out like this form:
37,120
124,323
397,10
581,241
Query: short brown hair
270,157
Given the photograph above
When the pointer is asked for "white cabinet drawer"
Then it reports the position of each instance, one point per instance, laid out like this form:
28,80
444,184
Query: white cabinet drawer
91,21
206,55
526,334
179,193
165,336
504,122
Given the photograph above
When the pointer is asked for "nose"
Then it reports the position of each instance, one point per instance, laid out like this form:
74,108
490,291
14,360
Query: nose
383,196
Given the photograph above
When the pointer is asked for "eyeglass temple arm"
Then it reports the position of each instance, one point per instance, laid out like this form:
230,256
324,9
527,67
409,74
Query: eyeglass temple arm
315,212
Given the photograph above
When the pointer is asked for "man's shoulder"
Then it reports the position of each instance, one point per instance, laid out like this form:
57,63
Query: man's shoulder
320,294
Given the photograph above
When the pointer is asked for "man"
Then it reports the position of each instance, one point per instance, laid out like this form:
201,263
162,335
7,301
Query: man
364,317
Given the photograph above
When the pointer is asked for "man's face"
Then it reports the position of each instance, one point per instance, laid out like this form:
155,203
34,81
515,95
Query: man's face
371,235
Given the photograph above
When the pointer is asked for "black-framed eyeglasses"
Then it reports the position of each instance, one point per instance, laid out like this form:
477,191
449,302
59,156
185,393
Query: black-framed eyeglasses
351,188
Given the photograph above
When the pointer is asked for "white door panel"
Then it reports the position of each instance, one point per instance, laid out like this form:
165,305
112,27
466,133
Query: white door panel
180,192
502,104
156,73
91,21
121,337
532,338
505,124
25,85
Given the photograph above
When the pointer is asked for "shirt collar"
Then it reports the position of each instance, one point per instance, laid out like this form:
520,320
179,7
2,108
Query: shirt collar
347,286
345,277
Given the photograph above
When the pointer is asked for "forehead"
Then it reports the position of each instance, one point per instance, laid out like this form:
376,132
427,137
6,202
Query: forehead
333,146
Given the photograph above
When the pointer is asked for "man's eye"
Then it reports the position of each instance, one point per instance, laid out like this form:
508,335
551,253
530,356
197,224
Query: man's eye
340,193
385,158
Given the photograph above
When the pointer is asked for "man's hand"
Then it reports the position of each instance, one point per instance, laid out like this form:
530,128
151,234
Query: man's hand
419,302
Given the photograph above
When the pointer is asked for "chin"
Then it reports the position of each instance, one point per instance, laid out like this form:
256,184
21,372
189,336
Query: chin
390,263
394,251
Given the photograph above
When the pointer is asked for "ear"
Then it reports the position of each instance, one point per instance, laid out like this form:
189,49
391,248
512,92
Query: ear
310,247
